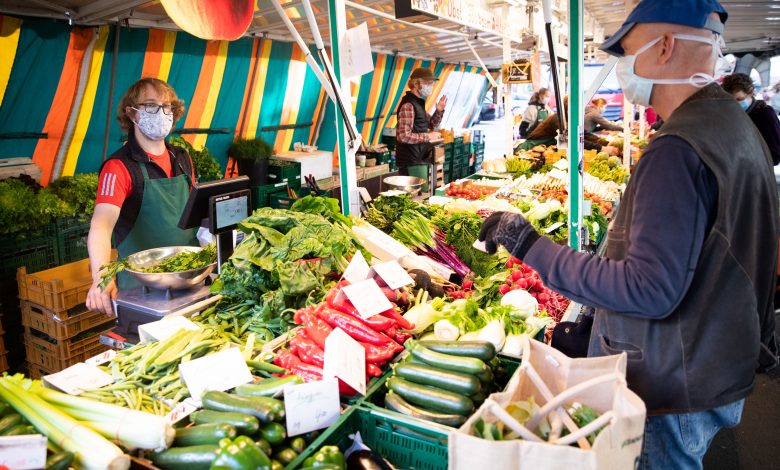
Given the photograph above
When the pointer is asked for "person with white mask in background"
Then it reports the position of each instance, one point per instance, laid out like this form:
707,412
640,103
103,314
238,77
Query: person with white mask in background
142,187
416,129
686,287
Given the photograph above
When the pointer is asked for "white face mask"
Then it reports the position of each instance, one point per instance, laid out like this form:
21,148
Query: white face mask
154,126
639,89
426,90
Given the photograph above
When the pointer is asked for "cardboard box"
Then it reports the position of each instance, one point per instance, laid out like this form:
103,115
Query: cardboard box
318,164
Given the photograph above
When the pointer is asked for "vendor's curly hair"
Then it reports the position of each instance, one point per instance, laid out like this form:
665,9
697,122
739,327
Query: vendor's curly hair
738,82
134,92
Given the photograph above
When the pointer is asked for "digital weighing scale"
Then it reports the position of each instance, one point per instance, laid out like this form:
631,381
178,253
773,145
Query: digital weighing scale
223,203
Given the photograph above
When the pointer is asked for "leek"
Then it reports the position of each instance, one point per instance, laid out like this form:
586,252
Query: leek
132,429
92,451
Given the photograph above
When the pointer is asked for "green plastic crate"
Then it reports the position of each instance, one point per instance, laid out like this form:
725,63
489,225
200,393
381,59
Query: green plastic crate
281,171
406,443
37,250
72,236
280,200
261,194
389,141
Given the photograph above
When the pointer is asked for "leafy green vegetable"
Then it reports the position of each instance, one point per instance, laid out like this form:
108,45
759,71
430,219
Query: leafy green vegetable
324,206
205,165
386,210
582,415
182,261
78,191
462,229
21,208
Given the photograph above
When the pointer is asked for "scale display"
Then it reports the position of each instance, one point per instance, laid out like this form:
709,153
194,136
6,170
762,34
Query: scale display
230,211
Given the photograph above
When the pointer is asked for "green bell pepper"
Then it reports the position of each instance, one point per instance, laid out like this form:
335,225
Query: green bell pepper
240,453
327,456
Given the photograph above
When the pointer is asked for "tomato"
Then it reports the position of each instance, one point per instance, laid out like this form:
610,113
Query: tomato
503,289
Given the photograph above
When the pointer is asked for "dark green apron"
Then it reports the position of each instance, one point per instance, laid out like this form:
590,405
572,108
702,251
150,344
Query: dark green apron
157,223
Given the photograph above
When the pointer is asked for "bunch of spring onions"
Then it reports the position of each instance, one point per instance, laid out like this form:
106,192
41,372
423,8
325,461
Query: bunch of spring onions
92,451
416,232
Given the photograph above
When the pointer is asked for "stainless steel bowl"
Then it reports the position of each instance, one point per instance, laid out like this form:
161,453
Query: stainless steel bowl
179,280
408,184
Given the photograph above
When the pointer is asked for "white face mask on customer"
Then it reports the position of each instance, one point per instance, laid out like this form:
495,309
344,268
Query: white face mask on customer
639,89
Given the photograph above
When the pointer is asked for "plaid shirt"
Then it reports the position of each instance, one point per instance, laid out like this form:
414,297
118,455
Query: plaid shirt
404,132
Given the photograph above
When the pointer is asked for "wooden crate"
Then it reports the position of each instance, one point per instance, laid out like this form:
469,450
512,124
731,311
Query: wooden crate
57,289
40,319
36,372
4,361
57,355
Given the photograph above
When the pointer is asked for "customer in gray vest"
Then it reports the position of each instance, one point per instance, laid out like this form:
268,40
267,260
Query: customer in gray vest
686,287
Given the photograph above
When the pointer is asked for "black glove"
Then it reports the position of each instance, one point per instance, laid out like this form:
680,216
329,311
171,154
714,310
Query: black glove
513,231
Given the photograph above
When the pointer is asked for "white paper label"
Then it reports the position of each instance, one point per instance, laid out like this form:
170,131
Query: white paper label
182,410
358,52
311,406
393,274
77,378
345,358
219,371
478,245
163,329
357,270
558,174
587,207
553,227
101,358
23,452
367,298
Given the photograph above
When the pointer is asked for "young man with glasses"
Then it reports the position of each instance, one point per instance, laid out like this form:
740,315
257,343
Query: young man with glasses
142,187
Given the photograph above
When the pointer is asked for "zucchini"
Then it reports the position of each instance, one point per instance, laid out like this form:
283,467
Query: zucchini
267,387
245,424
457,382
9,421
286,456
274,433
466,365
394,402
20,429
186,458
478,398
203,434
486,376
431,398
265,446
480,349
263,408
60,460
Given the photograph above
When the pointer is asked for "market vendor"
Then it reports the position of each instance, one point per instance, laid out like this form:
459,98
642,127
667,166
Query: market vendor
415,130
686,287
142,187
595,120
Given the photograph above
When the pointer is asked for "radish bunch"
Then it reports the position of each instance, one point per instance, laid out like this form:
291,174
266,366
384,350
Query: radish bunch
522,276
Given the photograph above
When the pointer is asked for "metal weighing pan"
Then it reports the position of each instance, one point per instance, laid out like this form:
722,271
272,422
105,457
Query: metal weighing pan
174,281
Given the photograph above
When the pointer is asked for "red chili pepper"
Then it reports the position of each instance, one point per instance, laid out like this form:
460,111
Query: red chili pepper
307,372
353,327
309,352
317,330
398,318
380,354
334,291
398,336
376,322
373,370
285,358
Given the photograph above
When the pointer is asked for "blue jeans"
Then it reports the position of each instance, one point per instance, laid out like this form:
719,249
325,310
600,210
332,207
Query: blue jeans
679,442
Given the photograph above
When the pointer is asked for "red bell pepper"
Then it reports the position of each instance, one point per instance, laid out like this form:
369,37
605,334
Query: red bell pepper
376,322
398,318
353,327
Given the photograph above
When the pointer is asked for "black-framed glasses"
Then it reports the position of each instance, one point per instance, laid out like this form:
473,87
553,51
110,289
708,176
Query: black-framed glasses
154,108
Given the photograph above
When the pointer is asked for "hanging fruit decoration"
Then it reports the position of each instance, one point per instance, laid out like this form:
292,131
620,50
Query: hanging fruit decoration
211,19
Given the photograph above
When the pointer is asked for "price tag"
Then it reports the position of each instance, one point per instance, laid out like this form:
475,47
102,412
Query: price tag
587,207
101,358
23,452
345,358
558,174
182,410
393,274
357,270
311,406
478,245
367,298
77,378
219,371
163,329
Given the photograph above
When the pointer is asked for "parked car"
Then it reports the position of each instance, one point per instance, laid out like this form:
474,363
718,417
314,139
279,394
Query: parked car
518,103
490,110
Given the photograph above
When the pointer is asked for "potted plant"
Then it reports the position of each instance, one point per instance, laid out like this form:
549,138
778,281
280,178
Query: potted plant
252,158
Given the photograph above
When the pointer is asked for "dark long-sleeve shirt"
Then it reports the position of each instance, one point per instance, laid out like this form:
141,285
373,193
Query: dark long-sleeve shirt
765,119
674,208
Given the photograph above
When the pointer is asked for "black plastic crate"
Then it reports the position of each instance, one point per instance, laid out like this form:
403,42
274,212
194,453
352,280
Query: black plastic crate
35,249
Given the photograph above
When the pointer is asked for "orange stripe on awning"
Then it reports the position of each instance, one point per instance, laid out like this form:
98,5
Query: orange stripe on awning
247,90
202,89
317,117
62,104
373,96
391,94
153,55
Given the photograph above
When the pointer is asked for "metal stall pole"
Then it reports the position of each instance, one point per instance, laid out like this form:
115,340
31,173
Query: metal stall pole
578,234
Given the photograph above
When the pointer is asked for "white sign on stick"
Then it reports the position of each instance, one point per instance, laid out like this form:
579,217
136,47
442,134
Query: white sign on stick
77,378
23,452
358,60
345,358
393,274
219,371
367,298
311,406
357,270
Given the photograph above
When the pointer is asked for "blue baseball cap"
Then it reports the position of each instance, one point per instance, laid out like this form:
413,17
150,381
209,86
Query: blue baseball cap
695,13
